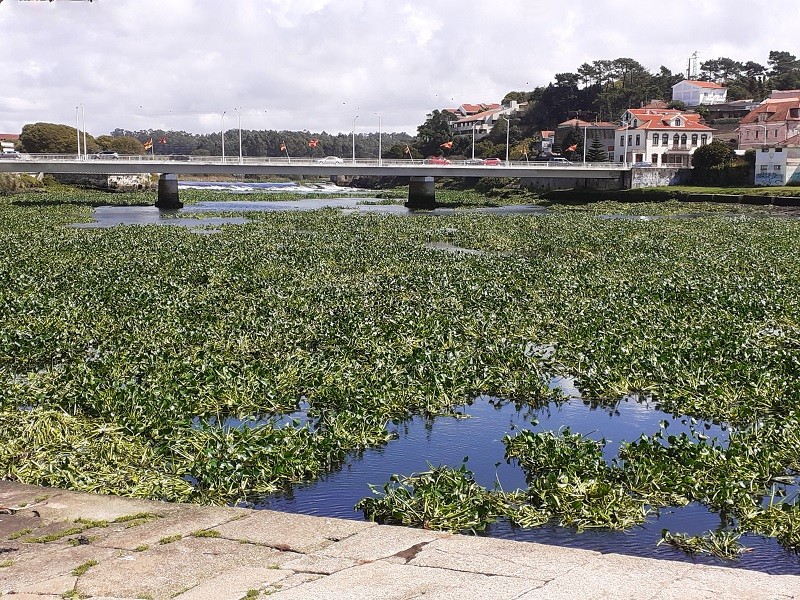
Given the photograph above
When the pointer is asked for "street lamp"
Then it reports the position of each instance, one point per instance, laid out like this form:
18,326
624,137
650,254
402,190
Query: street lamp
585,129
222,133
78,130
380,153
473,140
625,146
83,119
354,139
239,115
508,131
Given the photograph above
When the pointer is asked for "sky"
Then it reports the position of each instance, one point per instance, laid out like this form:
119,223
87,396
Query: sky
336,65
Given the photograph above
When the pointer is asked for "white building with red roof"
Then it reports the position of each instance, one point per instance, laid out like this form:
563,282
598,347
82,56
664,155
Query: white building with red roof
481,123
771,123
693,93
660,136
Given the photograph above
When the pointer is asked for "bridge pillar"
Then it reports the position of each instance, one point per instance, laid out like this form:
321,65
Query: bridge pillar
168,192
421,193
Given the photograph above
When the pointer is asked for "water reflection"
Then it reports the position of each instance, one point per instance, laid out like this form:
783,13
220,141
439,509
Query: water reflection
446,441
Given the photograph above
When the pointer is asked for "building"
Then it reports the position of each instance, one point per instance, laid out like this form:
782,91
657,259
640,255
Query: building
602,130
544,142
660,137
480,124
694,93
779,165
772,122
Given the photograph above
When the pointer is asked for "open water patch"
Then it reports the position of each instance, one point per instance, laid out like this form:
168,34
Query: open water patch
477,435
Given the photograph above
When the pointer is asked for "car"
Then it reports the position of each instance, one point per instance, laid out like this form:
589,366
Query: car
640,164
105,155
492,162
330,160
473,161
180,157
10,155
437,160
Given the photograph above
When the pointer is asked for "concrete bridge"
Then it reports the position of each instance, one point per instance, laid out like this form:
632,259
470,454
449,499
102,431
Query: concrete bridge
421,173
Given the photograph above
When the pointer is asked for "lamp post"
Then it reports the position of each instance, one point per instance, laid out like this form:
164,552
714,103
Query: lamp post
380,149
78,131
625,146
508,132
239,115
473,141
83,120
353,131
222,134
585,129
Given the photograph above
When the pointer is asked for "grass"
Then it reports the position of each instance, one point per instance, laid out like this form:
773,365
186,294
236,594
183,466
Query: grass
206,533
82,568
170,538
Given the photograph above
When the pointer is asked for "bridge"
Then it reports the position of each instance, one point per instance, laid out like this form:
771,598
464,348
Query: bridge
421,173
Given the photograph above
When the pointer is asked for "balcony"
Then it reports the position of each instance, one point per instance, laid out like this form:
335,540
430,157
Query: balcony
679,148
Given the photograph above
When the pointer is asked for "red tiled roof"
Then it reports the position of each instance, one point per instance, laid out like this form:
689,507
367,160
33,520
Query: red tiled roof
704,84
478,117
9,137
775,111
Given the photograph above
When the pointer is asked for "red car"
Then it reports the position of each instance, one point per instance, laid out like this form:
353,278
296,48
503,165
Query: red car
492,162
437,160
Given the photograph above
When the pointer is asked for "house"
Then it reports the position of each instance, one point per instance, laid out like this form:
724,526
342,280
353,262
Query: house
544,142
772,122
481,123
693,93
469,110
602,130
779,165
661,137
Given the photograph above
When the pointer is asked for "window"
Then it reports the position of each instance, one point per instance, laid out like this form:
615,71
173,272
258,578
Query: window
622,140
675,140
665,139
703,139
654,159
694,139
638,139
778,149
683,140
763,168
630,140
777,167
655,139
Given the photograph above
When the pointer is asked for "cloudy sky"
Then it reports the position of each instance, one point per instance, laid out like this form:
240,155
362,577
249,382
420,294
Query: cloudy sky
316,64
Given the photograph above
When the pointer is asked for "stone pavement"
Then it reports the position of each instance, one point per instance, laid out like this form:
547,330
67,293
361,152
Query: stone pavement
56,544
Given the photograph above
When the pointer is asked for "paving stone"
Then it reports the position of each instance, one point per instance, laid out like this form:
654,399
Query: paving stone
164,571
383,541
383,580
234,584
299,533
320,565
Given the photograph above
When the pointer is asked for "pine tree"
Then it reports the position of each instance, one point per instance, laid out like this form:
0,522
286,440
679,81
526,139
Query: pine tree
596,152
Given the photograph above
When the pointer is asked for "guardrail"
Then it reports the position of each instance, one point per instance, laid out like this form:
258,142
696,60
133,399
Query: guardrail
161,159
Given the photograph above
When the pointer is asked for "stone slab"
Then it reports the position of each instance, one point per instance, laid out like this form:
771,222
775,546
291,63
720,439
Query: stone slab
383,541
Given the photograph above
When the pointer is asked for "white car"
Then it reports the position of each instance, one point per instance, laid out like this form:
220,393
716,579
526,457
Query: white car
330,160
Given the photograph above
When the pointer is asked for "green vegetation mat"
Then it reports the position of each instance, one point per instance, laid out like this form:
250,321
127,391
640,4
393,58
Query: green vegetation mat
122,349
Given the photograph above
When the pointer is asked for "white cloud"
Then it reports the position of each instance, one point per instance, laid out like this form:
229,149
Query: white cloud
315,64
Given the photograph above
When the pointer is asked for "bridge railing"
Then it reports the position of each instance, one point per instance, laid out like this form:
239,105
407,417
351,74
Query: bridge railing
161,159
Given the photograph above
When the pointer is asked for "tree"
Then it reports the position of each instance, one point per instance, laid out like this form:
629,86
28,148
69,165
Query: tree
123,144
47,138
596,151
434,132
715,155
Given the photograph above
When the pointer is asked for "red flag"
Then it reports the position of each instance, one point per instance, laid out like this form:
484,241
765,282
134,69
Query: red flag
446,145
148,144
283,147
312,143
572,148
407,150
163,140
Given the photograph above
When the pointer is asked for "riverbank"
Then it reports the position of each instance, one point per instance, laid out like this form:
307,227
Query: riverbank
59,544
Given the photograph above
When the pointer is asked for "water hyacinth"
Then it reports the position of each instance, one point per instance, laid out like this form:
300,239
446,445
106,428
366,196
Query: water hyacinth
124,350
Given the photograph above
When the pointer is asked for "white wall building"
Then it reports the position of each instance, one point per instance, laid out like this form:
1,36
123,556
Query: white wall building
778,165
694,93
482,123
660,136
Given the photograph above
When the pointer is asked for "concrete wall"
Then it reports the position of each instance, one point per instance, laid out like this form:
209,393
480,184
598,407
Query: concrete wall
564,183
127,182
657,177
